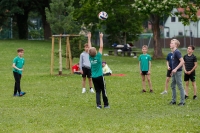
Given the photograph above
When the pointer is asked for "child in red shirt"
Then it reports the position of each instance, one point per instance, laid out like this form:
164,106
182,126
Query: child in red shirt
75,69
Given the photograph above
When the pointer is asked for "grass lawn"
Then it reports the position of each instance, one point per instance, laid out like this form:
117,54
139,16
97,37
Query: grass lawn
55,104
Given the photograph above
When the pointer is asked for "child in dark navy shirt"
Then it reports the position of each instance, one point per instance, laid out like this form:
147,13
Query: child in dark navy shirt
169,71
177,63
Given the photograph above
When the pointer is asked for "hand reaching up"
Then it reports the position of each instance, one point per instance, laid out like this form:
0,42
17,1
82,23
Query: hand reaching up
100,34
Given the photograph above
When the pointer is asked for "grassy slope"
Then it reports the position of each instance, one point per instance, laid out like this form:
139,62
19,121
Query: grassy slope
55,103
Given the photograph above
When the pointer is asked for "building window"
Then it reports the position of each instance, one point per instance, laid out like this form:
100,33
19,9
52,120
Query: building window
173,19
180,33
167,34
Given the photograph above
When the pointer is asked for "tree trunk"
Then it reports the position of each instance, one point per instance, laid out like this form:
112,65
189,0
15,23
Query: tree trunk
22,25
46,26
124,38
155,19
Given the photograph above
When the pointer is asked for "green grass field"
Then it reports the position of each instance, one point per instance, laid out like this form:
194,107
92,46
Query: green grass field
55,104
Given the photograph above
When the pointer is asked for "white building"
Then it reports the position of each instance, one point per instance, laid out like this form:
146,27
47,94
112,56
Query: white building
174,27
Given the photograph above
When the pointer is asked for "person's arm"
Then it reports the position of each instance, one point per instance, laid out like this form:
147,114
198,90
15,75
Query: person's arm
167,62
101,43
140,68
179,65
14,66
184,68
149,72
80,64
195,66
89,40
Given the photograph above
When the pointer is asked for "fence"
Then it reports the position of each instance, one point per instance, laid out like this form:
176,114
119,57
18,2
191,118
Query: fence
164,42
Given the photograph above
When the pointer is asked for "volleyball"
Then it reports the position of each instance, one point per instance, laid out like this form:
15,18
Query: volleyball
103,15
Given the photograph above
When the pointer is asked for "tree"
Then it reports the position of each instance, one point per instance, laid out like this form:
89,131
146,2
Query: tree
18,9
122,22
60,16
156,9
40,6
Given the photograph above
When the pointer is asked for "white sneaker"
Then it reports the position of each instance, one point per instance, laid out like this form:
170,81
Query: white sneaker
92,90
164,92
83,90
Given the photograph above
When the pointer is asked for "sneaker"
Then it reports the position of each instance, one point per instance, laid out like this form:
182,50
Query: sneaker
83,90
181,104
92,90
172,103
143,90
99,107
164,92
194,97
186,97
22,93
151,91
106,106
15,95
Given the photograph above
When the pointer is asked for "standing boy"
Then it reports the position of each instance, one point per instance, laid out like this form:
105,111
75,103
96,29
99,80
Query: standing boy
177,63
97,73
18,63
189,68
85,68
145,67
169,71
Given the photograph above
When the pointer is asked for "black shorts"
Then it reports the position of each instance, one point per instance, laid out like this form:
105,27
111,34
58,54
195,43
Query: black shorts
144,72
191,77
86,72
169,73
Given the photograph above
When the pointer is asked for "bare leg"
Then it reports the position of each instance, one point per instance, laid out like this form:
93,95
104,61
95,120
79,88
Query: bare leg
195,88
186,87
143,82
149,81
90,82
167,83
83,82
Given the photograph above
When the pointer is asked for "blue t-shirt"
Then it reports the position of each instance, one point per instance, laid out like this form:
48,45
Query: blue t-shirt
169,59
96,65
175,59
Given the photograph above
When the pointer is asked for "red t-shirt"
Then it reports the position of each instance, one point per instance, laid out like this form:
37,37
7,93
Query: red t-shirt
75,67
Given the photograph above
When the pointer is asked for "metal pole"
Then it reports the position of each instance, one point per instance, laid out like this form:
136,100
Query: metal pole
11,34
164,30
184,38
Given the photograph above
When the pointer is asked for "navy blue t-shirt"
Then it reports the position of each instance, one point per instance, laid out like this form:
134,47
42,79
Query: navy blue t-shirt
175,59
169,59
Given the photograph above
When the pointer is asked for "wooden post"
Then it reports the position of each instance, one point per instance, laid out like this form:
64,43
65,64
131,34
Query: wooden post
52,55
70,56
67,54
60,57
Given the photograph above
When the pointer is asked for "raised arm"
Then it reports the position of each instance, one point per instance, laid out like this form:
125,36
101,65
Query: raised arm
101,43
89,39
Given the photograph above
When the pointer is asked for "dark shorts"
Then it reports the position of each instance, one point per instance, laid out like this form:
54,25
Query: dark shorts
169,73
191,77
144,72
86,72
